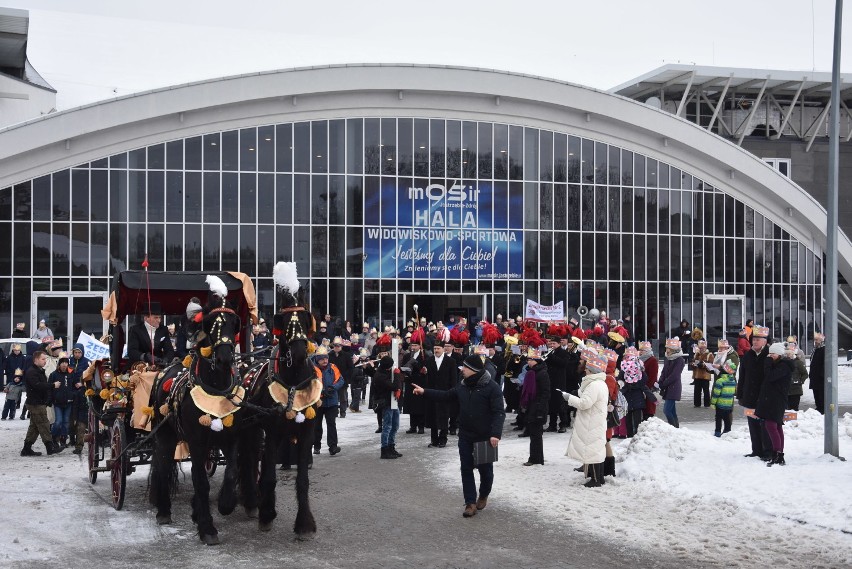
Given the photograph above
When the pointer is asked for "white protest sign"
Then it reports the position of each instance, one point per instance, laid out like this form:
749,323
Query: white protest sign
541,313
93,349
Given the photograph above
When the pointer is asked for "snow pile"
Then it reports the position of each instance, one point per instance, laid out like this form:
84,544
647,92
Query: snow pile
696,465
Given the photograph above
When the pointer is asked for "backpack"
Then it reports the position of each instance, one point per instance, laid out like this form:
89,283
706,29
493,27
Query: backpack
620,405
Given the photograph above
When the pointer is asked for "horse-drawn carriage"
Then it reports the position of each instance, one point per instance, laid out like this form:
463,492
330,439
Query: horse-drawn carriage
121,429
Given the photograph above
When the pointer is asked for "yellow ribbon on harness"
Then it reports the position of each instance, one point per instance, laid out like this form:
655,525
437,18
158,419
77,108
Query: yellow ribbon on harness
216,405
303,398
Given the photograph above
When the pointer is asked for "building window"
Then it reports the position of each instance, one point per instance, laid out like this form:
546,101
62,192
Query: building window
781,164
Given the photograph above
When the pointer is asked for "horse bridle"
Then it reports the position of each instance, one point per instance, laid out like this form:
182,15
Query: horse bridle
215,334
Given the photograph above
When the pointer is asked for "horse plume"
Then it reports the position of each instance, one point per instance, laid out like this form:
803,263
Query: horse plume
286,278
217,286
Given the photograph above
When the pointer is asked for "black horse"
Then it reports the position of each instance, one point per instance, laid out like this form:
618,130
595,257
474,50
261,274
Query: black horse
197,406
285,390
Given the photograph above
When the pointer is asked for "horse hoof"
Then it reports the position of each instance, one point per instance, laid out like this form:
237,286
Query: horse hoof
264,526
305,536
210,539
164,520
251,512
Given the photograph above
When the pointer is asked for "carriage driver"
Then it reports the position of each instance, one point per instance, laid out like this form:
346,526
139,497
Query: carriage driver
149,340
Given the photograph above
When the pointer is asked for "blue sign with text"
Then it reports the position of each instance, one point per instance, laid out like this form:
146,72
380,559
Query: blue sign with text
452,230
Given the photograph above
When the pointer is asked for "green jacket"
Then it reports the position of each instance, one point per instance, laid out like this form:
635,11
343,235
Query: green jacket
800,374
724,391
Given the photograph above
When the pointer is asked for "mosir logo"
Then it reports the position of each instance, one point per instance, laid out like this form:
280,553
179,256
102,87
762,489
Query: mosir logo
437,192
459,200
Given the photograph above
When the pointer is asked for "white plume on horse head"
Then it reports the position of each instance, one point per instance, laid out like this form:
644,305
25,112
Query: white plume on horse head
285,276
217,286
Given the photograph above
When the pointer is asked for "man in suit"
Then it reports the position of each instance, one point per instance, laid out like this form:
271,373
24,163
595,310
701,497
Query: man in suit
149,340
442,373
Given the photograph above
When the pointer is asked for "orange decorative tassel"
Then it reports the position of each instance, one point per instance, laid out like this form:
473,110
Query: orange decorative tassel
290,414
104,394
164,409
205,420
228,421
310,413
187,361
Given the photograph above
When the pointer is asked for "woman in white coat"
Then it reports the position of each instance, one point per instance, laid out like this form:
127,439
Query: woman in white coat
588,441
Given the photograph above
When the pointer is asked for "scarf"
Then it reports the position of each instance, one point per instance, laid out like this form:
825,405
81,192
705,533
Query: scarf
675,356
528,391
645,356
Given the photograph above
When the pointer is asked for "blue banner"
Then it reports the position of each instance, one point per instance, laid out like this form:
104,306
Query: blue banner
452,230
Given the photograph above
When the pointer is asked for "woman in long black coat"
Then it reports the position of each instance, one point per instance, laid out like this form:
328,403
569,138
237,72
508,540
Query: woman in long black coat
772,401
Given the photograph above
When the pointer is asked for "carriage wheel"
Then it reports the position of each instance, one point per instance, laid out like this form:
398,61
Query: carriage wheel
92,439
212,462
118,471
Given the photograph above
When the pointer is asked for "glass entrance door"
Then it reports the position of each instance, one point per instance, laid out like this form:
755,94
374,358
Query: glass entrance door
68,315
723,318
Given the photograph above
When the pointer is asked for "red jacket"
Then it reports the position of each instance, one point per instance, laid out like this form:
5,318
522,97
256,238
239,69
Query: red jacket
652,369
743,345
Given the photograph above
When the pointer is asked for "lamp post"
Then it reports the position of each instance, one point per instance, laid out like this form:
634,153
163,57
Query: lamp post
831,375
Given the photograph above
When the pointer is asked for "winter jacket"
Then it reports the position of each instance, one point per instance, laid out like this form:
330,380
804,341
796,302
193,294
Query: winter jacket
724,391
359,379
670,382
699,371
557,368
417,365
14,391
331,384
537,409
62,396
443,378
774,390
385,383
818,369
637,394
800,374
752,370
652,370
588,441
77,367
743,346
38,390
80,405
480,401
14,361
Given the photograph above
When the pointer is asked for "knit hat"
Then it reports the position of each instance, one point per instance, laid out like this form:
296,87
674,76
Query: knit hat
777,348
473,363
386,363
632,371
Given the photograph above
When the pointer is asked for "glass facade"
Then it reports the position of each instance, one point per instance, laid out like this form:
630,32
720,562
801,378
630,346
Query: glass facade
583,222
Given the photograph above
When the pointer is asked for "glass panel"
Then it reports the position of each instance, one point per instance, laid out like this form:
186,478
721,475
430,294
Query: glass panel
248,249
485,150
453,149
266,149
319,191
336,146
230,150
156,196
79,195
404,144
230,197
61,199
516,153
41,201
531,152
355,146
248,150
265,198
174,155
388,146
372,155
192,150
301,198
248,198
546,155
319,147
54,309
302,147
156,157
174,247
501,151
230,248
469,160
284,148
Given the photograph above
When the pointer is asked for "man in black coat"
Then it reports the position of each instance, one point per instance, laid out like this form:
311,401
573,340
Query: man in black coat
817,372
38,397
413,364
536,401
149,340
481,417
752,372
557,368
441,374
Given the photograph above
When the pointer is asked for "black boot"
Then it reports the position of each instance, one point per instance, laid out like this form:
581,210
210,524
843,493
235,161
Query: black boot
386,453
392,450
609,466
53,448
411,431
777,458
580,468
28,450
596,473
421,431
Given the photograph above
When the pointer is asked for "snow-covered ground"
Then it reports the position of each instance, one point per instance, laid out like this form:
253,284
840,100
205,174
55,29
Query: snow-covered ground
682,492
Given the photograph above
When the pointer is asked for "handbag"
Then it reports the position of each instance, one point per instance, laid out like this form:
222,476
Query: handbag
612,420
51,414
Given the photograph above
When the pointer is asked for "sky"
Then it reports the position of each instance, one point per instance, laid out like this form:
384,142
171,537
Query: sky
91,50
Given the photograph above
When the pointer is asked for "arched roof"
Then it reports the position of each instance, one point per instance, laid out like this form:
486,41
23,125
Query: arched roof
71,137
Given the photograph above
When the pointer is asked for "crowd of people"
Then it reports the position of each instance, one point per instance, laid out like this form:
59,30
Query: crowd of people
455,380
